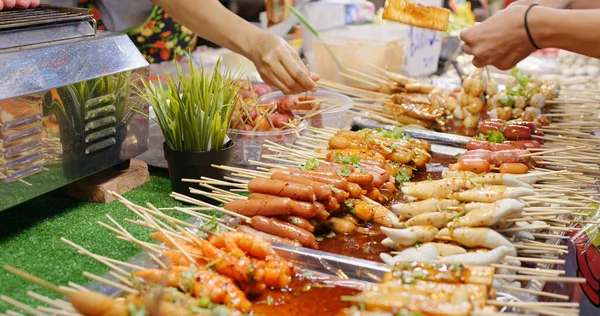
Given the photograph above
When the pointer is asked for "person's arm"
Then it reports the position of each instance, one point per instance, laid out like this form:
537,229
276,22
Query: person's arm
276,60
562,4
571,30
502,40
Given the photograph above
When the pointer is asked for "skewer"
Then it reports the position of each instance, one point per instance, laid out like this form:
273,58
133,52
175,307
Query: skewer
21,306
540,293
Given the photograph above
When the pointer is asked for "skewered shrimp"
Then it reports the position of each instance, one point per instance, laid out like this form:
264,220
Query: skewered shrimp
408,236
434,189
408,210
490,215
200,283
425,253
488,178
435,219
478,237
250,244
445,250
491,193
473,258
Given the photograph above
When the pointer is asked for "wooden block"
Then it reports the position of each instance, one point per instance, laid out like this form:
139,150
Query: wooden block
94,188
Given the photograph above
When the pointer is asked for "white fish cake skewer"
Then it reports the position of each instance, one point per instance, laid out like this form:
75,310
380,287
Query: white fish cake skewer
435,219
408,210
490,215
472,237
496,255
445,250
425,253
408,236
435,189
488,178
491,193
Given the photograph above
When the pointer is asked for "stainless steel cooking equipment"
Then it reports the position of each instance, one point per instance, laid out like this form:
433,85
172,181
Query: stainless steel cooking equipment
68,106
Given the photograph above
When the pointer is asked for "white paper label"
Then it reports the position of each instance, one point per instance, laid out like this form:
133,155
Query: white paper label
423,47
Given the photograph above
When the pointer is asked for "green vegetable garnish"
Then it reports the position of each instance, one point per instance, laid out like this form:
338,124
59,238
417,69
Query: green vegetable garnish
396,133
429,177
495,137
522,78
507,100
269,300
136,311
402,177
311,164
344,172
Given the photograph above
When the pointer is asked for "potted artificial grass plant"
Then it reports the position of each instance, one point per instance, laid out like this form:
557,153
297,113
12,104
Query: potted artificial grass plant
194,112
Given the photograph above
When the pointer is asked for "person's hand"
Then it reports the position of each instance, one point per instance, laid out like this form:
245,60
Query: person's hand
500,41
279,65
18,4
557,4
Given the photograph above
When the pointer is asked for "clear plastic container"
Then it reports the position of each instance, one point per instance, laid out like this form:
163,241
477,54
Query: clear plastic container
249,145
337,117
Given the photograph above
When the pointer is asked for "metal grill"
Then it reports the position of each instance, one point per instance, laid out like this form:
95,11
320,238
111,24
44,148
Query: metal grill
42,15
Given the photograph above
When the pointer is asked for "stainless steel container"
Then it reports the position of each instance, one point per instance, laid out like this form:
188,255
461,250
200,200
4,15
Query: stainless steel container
68,106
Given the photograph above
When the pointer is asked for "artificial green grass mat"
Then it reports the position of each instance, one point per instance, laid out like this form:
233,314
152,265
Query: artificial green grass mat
30,237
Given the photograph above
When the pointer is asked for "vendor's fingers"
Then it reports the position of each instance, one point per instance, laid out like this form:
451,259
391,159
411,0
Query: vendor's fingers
35,3
9,4
467,49
315,77
291,86
272,80
22,4
1,4
479,63
299,73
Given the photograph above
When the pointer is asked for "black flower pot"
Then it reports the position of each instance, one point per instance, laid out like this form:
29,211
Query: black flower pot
193,165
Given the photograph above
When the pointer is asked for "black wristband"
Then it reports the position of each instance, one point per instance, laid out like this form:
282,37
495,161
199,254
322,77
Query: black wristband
527,27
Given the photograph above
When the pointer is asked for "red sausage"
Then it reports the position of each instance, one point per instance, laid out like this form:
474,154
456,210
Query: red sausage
268,237
474,165
517,132
489,125
525,144
331,205
280,228
360,178
530,125
271,207
298,221
302,209
514,155
280,119
478,144
320,211
324,177
322,190
355,190
540,134
292,190
380,175
287,104
502,146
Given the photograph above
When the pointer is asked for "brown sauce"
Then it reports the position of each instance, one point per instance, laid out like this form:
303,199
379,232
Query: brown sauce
368,247
302,297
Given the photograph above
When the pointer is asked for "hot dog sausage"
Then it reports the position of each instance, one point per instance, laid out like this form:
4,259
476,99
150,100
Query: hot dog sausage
331,205
322,190
268,237
271,207
282,229
324,177
502,146
517,132
298,221
530,125
302,209
360,178
487,126
355,190
525,144
478,144
514,168
474,165
280,188
320,211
